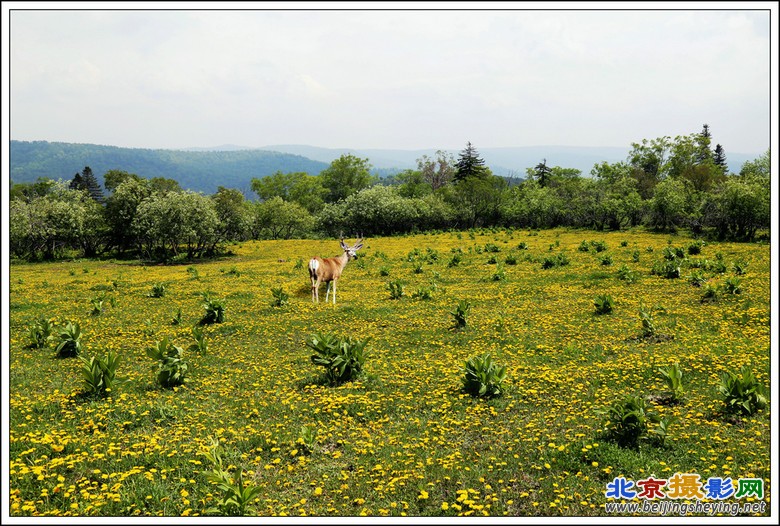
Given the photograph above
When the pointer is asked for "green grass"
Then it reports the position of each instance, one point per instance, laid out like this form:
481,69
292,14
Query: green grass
401,438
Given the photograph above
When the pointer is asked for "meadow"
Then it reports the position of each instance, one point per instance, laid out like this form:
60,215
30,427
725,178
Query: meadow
402,439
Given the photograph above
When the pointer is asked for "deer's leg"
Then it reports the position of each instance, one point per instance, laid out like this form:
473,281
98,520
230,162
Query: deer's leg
315,291
334,292
327,292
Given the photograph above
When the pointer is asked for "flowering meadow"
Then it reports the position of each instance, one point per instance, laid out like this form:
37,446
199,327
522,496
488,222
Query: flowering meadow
402,438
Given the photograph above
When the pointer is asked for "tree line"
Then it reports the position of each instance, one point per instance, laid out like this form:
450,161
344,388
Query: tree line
664,184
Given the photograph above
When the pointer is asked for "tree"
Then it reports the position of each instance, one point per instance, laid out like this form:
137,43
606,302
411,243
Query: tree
720,159
121,210
758,167
703,141
648,163
345,176
437,172
413,184
668,205
298,187
87,181
279,219
233,214
542,173
742,207
113,178
478,199
469,164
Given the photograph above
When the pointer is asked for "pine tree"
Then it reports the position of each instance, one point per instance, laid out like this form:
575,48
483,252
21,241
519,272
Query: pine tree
469,164
720,159
704,139
542,173
87,181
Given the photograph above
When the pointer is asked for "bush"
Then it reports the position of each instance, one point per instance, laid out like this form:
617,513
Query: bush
604,304
483,378
741,392
628,419
732,286
70,341
396,289
171,369
280,297
559,260
626,274
606,260
100,374
695,247
158,291
342,358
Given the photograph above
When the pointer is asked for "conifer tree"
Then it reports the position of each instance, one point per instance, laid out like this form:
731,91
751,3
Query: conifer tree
86,180
469,164
720,159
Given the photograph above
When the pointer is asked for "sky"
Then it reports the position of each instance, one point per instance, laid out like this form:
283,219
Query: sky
394,78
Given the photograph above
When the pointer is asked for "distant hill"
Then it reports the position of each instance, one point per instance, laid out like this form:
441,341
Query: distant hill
202,171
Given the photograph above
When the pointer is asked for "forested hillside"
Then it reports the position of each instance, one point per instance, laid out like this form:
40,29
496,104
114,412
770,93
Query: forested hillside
198,171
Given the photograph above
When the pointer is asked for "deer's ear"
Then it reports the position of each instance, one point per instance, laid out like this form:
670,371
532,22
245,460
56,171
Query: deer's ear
358,246
344,245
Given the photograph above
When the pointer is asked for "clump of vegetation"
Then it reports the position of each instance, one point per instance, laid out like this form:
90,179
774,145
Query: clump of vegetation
742,392
171,368
280,297
396,288
695,247
624,273
99,374
41,333
215,310
460,314
740,267
236,495
176,320
70,341
606,260
158,291
604,304
673,376
628,420
711,293
732,286
558,260
200,346
342,357
483,378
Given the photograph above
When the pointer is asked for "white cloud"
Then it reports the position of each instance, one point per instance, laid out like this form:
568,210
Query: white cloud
396,79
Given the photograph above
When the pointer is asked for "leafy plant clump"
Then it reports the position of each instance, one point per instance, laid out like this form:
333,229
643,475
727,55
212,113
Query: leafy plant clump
171,368
215,310
604,304
342,357
460,314
483,378
99,374
158,291
742,393
236,495
628,420
396,288
280,297
673,376
70,341
41,333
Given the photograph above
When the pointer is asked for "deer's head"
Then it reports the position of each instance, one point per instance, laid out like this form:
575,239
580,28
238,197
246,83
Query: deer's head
350,250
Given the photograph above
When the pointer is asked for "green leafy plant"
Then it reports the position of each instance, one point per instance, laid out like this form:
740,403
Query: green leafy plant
307,439
342,357
523,246
70,341
740,267
499,274
396,288
41,333
510,259
456,259
200,346
711,293
483,378
732,286
97,306
628,419
158,291
99,374
215,310
280,297
606,259
604,304
673,376
584,246
176,320
558,260
424,293
624,273
742,393
695,247
697,278
647,320
599,246
661,431
171,368
298,264
193,272
384,270
237,496
667,269
460,314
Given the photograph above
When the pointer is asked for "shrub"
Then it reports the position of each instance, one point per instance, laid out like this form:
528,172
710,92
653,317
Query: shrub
483,378
396,288
342,358
584,246
739,267
598,246
460,314
695,247
672,375
606,260
558,260
626,274
510,259
456,259
711,293
490,247
41,333
696,278
215,310
604,304
70,341
171,369
628,419
384,270
742,392
280,297
99,374
667,269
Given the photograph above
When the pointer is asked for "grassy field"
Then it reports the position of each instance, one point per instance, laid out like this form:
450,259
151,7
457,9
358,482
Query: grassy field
402,439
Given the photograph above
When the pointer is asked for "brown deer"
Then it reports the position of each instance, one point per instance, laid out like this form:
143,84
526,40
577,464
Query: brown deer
329,270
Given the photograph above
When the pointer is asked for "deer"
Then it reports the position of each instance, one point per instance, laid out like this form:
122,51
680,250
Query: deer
329,269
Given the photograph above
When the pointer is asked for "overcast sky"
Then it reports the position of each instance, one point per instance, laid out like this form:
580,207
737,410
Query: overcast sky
390,79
